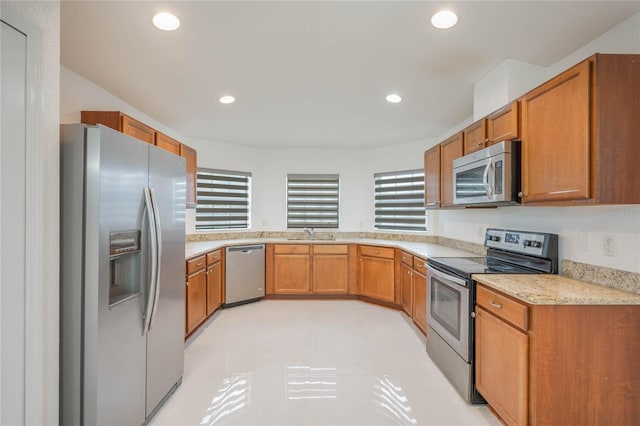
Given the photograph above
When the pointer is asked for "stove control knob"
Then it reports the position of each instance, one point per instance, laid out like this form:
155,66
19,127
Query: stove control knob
537,244
527,243
494,238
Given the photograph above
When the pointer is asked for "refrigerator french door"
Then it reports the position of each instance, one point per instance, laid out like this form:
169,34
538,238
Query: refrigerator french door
122,284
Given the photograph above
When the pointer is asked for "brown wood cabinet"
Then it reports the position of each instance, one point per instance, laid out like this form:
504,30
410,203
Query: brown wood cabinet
501,361
191,156
196,293
291,269
406,286
580,134
450,149
432,181
214,281
330,266
504,124
419,313
167,143
557,364
120,122
309,269
376,274
475,136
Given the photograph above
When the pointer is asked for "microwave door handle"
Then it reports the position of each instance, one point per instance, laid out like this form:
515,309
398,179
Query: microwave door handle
485,179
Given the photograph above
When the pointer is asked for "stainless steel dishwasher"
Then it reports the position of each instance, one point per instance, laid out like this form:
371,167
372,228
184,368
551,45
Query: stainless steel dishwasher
244,278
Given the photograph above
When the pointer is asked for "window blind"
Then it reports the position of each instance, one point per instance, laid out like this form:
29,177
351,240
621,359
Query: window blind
223,199
312,201
399,200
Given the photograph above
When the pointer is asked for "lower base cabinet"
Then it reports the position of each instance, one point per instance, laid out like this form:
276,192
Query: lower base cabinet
204,290
196,300
557,364
419,313
376,272
406,289
501,367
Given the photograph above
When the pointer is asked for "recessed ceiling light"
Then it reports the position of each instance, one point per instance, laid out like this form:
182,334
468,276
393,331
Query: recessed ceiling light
166,21
393,98
227,99
444,19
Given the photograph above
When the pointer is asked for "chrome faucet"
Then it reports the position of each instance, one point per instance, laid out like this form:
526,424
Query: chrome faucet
309,231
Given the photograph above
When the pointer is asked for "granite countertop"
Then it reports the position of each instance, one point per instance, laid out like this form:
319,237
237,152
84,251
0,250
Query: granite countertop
546,289
426,250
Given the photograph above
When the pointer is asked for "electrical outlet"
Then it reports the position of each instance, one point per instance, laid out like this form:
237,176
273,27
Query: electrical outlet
609,245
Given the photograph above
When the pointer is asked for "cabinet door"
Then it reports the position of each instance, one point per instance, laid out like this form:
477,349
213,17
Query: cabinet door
475,136
556,138
432,177
406,289
420,301
291,273
330,273
501,367
196,299
504,124
168,144
214,287
377,278
450,150
138,130
191,156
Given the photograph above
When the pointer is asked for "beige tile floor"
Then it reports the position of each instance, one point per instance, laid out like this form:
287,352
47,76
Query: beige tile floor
319,362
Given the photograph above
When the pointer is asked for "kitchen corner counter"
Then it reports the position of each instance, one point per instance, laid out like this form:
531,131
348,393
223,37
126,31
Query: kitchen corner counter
545,289
424,250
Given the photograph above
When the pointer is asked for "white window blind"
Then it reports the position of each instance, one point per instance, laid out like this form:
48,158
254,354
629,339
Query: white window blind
223,199
312,201
399,200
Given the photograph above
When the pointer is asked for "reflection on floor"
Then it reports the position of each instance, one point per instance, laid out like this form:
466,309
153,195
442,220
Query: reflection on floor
322,362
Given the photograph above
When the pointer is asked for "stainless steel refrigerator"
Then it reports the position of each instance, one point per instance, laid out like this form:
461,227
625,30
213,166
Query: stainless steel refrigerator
122,276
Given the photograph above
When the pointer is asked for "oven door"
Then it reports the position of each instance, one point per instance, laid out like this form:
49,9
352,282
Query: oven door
448,309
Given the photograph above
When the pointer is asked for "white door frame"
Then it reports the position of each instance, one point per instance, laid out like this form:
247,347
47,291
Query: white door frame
37,320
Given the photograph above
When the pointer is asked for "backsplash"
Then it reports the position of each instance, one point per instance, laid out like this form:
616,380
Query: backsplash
615,278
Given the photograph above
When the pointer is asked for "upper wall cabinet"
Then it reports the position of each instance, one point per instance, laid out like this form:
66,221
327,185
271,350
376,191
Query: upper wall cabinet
580,134
450,149
191,156
120,122
475,136
432,178
504,124
168,144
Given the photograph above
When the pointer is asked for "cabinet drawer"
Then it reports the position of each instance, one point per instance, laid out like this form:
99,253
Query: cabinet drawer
384,252
503,307
419,265
214,256
330,249
196,264
406,258
291,249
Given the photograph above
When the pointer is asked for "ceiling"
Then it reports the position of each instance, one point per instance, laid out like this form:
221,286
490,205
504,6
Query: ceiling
316,73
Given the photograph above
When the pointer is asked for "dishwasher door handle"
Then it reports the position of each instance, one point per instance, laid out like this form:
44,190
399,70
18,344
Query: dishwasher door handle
245,249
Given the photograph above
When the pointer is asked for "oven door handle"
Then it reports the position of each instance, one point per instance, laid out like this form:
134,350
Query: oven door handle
485,179
447,277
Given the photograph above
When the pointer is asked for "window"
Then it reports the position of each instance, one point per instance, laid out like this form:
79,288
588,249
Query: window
223,199
399,201
312,201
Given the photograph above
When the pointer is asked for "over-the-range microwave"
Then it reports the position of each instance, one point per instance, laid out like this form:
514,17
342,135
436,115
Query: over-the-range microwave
489,177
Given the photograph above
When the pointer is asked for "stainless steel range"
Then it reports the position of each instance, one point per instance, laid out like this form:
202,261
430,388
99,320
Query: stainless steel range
451,297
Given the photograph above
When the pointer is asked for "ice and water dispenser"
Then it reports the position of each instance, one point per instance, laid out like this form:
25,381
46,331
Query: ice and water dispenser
124,260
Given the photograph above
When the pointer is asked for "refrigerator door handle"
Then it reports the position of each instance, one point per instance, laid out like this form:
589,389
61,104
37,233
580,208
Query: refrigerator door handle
158,263
151,219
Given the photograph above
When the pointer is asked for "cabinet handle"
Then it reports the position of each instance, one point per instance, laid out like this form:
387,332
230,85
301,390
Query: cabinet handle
520,194
495,305
487,140
479,143
199,264
376,251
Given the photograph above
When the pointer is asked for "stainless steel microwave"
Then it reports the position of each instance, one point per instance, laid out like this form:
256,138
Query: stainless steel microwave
490,176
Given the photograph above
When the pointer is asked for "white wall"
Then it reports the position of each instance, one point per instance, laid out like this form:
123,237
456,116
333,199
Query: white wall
581,228
42,379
